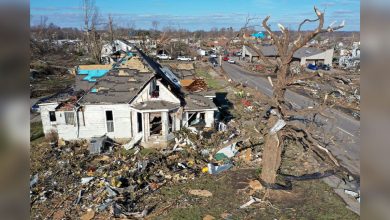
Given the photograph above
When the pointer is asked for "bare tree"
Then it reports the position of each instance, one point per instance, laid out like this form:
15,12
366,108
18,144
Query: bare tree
282,110
91,22
155,25
111,28
42,27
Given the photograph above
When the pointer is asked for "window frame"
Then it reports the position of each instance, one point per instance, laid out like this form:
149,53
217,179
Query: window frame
52,114
110,123
66,120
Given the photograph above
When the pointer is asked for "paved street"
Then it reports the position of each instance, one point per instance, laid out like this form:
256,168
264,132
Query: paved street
344,128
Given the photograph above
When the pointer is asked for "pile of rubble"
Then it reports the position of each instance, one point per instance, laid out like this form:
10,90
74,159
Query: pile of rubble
194,85
341,88
76,180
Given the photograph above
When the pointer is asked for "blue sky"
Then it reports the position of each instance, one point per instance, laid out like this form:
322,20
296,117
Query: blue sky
198,14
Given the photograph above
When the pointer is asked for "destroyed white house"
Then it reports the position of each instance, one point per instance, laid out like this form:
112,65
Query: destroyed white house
350,57
305,55
137,98
111,48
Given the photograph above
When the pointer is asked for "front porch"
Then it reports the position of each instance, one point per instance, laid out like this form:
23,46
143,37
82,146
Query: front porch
155,121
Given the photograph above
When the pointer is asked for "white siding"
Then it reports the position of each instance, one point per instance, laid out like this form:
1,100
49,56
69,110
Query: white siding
95,122
327,56
209,118
164,95
107,49
46,124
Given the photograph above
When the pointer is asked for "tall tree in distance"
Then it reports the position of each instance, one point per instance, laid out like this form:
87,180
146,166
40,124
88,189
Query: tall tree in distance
92,38
111,28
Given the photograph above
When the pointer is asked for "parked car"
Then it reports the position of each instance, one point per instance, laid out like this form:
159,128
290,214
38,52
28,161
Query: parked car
231,61
35,107
163,57
183,58
312,67
324,67
213,61
225,58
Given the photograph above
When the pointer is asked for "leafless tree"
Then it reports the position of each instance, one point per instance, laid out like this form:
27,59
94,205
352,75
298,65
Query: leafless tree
93,39
111,28
155,25
42,27
286,46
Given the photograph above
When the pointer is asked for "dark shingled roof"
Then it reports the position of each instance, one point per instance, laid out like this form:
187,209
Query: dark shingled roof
156,105
117,86
306,52
198,102
81,84
267,51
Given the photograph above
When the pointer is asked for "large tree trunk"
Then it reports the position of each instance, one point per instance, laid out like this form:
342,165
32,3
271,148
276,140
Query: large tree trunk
271,154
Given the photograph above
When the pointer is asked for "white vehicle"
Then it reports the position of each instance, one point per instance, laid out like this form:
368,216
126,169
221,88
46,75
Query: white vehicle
213,55
163,57
183,58
231,61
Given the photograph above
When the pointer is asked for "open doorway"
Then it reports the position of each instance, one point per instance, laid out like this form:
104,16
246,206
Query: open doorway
139,122
155,124
170,123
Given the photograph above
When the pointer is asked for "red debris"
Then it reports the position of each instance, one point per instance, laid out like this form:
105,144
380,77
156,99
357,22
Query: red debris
246,103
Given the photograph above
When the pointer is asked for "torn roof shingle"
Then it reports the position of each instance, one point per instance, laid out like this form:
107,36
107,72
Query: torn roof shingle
134,62
117,86
156,105
198,102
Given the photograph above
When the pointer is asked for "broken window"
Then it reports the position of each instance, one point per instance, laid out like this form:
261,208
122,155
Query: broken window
191,118
69,118
110,121
202,116
52,116
196,119
155,124
154,89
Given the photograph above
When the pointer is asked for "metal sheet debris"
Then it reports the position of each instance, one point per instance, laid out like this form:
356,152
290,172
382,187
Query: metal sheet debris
226,152
212,169
278,126
250,202
133,142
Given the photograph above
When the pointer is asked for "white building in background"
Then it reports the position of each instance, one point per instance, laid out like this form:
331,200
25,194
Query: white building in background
304,55
117,45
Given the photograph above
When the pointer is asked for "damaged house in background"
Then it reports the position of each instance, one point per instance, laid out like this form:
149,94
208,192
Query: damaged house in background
304,55
135,99
115,50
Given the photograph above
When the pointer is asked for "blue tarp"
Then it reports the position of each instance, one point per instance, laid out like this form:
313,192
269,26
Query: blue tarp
92,74
260,35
